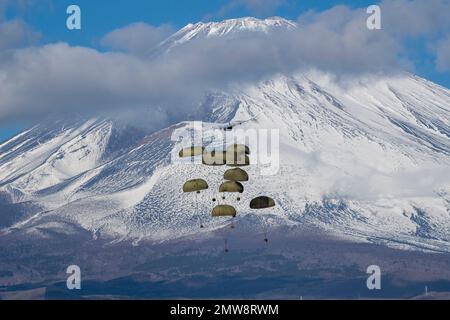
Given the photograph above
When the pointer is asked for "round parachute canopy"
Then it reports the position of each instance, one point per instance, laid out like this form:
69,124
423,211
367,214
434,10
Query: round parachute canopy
236,174
239,148
234,159
262,203
191,152
224,211
231,186
195,185
214,158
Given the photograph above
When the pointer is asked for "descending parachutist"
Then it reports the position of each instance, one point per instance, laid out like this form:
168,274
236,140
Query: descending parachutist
195,186
226,246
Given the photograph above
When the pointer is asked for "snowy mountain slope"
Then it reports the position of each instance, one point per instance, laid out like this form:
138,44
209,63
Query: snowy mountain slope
367,159
54,153
326,152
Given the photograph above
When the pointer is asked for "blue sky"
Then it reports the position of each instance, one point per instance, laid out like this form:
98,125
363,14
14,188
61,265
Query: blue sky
99,17
103,16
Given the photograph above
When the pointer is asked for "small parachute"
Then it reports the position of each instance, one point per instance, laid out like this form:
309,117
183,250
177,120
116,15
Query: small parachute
235,159
236,174
195,185
231,186
262,203
191,152
214,158
224,211
238,148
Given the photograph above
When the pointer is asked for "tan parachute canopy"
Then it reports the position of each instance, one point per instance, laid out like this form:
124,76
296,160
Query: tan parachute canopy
236,174
262,203
195,185
224,211
191,152
234,159
231,186
239,148
214,158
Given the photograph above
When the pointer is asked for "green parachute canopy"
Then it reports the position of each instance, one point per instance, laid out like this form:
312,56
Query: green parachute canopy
220,158
239,148
235,159
224,211
262,203
214,158
231,186
191,152
236,174
195,185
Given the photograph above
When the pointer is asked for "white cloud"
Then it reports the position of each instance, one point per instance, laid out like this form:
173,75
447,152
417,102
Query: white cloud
58,78
443,55
369,184
137,38
416,18
16,33
21,5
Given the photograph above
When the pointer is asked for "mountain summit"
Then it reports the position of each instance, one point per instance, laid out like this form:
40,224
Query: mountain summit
202,30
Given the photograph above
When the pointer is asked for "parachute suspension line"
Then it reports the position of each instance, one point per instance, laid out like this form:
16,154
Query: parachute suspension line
197,212
195,185
194,212
227,235
232,225
263,202
265,229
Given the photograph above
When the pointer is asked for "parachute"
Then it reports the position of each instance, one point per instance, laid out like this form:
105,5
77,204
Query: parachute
235,159
235,155
238,148
195,185
214,158
191,152
262,203
236,174
230,158
224,211
231,186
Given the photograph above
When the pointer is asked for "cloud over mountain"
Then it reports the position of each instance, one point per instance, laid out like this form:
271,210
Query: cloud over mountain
137,38
59,78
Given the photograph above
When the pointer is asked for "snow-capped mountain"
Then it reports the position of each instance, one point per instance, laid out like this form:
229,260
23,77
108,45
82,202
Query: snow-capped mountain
229,28
367,159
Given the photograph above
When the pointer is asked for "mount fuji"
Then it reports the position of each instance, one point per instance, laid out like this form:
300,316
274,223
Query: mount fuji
363,160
